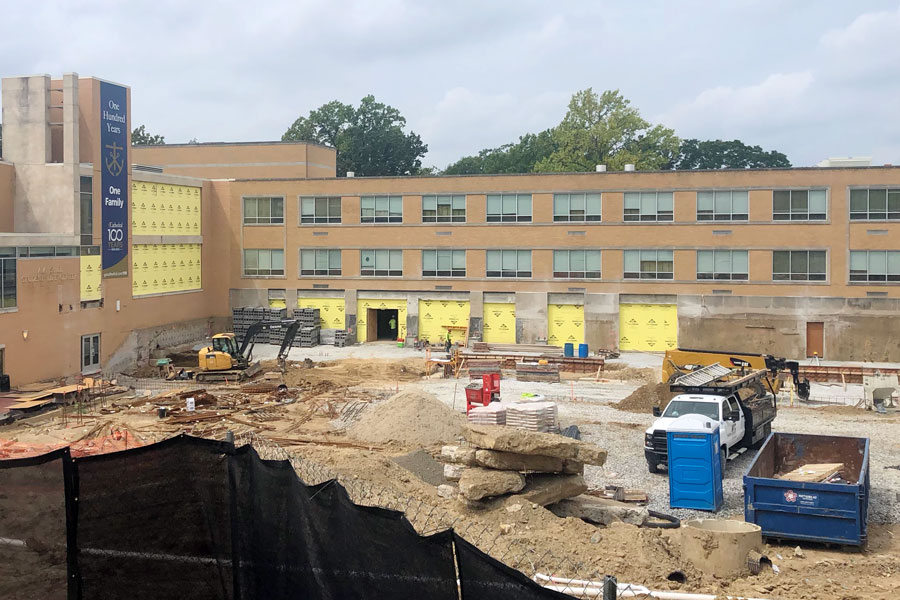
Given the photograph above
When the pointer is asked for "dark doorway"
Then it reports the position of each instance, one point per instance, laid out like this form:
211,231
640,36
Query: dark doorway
384,318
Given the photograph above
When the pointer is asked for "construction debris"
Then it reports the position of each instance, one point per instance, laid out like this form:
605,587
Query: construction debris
600,511
477,484
518,441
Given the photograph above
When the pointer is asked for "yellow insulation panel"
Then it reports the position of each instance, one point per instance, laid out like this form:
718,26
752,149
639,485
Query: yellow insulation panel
499,323
565,324
435,314
166,268
648,327
331,311
90,278
164,209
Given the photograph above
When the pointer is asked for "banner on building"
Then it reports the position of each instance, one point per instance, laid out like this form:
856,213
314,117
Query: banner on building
114,143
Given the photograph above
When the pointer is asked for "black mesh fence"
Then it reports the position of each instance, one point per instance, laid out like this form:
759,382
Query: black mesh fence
191,518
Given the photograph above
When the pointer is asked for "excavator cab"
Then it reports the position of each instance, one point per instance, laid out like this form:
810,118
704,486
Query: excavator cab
222,355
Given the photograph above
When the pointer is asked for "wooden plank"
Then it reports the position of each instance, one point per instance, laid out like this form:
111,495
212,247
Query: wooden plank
813,472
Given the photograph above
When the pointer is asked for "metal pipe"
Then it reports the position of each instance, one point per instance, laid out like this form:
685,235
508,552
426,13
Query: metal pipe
594,589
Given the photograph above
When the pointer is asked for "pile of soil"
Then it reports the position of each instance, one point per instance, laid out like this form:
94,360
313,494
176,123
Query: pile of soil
412,418
643,399
351,372
623,372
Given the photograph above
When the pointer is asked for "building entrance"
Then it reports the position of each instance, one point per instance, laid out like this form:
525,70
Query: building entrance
382,324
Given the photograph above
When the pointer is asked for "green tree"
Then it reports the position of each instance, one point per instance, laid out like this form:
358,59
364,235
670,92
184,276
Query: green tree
369,139
141,137
718,154
520,157
606,130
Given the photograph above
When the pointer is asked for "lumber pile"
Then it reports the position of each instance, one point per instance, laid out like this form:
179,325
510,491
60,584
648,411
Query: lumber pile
526,371
542,468
478,368
814,473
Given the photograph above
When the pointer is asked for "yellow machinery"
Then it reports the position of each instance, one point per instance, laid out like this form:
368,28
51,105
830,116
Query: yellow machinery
226,359
682,360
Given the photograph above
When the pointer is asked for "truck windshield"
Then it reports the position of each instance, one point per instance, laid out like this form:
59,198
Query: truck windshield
678,408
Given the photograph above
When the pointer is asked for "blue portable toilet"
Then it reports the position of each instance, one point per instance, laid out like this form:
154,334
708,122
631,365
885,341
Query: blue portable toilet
695,469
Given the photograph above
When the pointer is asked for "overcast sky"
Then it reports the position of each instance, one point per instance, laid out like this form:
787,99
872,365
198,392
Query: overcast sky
809,78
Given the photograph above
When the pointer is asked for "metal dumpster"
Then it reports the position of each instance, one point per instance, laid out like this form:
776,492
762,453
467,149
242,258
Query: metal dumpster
817,512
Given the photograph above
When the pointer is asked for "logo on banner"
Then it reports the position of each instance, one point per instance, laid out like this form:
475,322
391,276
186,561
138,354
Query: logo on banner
114,160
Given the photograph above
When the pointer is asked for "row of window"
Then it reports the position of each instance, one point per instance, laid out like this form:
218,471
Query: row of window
653,206
718,265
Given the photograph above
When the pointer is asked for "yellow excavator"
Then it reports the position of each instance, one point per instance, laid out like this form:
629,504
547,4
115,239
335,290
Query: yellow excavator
225,359
683,360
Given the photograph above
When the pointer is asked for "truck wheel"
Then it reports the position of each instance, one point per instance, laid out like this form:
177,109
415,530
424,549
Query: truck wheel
653,467
723,456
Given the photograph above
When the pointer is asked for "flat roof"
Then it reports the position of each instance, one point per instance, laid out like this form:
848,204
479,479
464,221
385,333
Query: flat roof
193,144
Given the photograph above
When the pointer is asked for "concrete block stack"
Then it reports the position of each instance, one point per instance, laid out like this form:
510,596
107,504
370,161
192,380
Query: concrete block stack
342,338
533,416
542,468
308,336
492,414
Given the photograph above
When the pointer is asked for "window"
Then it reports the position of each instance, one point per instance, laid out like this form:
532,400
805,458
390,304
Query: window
264,211
799,205
263,263
7,277
381,263
798,265
648,264
576,207
320,210
46,251
443,263
723,264
90,353
576,264
443,209
320,262
509,263
723,205
381,209
648,206
874,204
87,210
509,208
875,265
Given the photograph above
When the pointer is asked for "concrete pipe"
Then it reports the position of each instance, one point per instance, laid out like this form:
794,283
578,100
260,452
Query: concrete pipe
720,547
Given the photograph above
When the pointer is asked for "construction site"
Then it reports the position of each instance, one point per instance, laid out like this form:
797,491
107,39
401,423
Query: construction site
222,375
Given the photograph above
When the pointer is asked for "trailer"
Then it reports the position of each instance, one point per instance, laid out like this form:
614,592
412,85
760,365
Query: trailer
811,511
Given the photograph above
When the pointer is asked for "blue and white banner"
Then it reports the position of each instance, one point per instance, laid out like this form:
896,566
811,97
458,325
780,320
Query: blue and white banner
114,143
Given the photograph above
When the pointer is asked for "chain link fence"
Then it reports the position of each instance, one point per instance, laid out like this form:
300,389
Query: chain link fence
562,574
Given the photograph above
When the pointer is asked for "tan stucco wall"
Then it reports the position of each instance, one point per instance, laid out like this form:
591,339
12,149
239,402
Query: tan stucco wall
256,159
7,197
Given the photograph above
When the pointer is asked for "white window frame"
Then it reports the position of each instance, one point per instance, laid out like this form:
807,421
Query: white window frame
502,206
513,264
321,256
259,271
723,265
796,256
443,257
455,203
575,266
795,198
309,206
574,207
644,207
890,194
382,209
372,258
890,266
647,256
256,219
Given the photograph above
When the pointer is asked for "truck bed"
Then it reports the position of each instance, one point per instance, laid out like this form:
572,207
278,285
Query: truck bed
758,412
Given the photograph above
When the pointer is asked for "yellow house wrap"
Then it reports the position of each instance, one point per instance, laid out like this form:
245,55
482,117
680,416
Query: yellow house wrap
434,314
331,311
648,327
565,324
90,278
499,323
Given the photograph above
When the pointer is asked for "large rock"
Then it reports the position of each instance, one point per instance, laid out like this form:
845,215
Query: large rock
549,489
520,441
573,467
459,455
453,472
475,483
599,510
509,461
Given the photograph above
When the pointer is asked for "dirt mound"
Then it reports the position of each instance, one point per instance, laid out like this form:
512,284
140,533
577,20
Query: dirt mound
623,372
413,418
643,399
350,372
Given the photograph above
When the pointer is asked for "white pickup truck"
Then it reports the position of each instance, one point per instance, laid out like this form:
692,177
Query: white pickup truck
742,423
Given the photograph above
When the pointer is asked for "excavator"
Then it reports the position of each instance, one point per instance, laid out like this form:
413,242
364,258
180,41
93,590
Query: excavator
225,360
683,360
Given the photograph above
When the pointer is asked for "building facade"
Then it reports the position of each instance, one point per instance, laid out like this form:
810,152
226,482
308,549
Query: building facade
795,262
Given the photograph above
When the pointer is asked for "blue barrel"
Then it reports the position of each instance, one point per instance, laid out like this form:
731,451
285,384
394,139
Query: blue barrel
582,351
569,350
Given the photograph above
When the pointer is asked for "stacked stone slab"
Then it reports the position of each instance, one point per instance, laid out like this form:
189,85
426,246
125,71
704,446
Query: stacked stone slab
542,468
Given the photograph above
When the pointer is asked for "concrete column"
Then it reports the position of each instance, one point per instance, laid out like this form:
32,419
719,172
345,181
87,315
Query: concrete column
70,119
601,321
476,314
412,315
531,317
290,301
350,311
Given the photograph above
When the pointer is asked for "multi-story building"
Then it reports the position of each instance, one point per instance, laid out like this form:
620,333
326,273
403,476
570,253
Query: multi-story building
796,262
